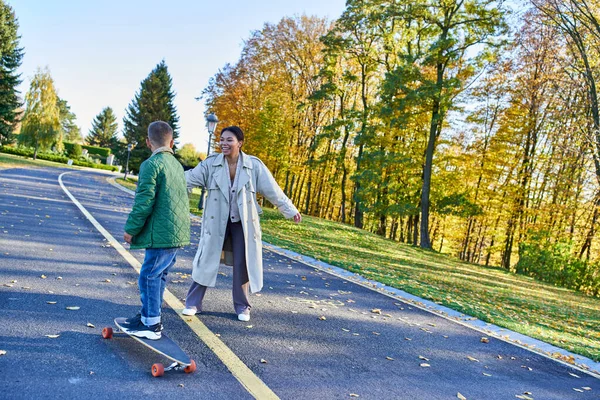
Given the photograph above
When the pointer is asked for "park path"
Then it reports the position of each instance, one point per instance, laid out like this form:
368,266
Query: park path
312,335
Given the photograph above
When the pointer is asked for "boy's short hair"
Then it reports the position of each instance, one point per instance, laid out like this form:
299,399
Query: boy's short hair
160,133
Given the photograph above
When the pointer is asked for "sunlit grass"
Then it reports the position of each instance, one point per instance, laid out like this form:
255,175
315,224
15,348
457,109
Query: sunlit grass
13,161
555,315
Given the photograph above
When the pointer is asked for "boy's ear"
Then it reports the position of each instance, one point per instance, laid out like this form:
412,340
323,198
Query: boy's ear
172,143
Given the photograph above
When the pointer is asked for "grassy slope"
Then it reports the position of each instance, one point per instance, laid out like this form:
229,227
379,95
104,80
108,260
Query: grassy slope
555,315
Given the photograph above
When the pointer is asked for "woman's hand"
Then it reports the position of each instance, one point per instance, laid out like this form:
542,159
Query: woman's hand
297,218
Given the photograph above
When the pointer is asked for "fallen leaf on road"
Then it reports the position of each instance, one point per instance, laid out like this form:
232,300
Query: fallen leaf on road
263,361
423,358
376,311
249,326
376,333
58,278
322,318
181,385
576,376
499,357
484,374
578,390
586,388
8,285
25,288
89,325
72,308
346,330
51,302
526,367
460,396
523,397
2,352
131,283
52,336
389,358
472,359
106,280
407,338
354,395
43,276
425,365
485,340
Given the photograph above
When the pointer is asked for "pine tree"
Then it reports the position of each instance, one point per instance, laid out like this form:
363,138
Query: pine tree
153,102
104,129
10,60
70,131
41,121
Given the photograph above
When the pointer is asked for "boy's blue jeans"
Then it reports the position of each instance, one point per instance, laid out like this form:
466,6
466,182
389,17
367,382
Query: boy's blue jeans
153,280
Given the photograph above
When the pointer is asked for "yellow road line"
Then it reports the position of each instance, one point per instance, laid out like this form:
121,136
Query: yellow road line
252,383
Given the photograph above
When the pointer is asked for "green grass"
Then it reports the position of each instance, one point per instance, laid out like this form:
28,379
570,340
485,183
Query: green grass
12,161
562,317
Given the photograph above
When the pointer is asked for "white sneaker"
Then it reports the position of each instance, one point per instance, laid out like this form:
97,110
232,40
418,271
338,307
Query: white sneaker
244,317
189,311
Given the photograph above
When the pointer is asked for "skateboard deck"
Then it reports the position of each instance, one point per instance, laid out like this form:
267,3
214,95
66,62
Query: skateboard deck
164,346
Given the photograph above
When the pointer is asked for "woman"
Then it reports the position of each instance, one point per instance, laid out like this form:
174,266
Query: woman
230,222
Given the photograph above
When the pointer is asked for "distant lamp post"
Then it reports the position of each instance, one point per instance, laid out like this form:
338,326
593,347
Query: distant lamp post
129,147
211,125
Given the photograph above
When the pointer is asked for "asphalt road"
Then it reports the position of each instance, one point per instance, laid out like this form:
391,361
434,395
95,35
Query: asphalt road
312,335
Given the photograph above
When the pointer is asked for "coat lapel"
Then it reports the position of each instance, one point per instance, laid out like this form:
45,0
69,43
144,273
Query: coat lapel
246,171
220,175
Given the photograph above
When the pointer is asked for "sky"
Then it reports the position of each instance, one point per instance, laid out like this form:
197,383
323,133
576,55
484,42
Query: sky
98,52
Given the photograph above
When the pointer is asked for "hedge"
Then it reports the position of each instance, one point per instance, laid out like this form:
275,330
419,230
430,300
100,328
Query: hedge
99,151
54,157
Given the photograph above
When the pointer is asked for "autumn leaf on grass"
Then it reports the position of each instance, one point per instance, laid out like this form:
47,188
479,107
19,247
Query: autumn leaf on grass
460,396
472,359
72,308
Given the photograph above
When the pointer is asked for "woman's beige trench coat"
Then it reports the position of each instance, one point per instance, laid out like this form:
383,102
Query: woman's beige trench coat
213,175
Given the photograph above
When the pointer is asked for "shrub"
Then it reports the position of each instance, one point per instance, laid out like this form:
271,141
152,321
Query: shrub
555,264
74,151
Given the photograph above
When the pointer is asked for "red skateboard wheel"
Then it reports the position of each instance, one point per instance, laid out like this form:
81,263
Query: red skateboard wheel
190,368
107,332
158,370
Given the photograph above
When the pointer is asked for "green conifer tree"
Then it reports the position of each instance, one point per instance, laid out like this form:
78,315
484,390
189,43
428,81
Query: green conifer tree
104,129
153,102
10,60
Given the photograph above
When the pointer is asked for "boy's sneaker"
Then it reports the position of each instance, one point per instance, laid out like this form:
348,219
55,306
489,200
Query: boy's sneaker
138,329
134,321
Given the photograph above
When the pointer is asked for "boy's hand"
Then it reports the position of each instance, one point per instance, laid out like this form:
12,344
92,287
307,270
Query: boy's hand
127,237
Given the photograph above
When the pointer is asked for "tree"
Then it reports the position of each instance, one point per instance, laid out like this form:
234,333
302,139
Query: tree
188,156
41,120
69,130
153,102
104,129
10,60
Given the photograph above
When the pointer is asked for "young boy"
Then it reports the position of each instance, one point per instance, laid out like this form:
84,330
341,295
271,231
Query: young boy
160,223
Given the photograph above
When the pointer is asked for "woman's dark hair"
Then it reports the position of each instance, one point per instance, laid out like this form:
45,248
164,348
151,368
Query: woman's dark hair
236,130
